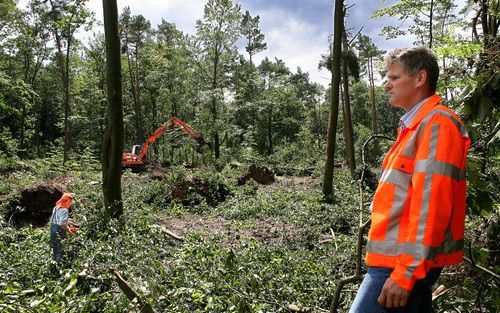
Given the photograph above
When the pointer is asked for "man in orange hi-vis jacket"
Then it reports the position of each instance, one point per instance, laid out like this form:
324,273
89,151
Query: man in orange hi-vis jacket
418,211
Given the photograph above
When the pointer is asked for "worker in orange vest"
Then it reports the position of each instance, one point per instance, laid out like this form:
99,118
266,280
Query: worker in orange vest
61,225
418,210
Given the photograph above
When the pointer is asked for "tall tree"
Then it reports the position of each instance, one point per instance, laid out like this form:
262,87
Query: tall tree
136,31
272,74
66,16
255,39
173,72
15,98
369,53
490,20
32,51
33,41
96,56
424,14
112,147
217,33
336,51
346,107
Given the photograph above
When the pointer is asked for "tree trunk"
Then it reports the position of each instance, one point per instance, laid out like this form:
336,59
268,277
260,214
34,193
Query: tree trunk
334,99
112,147
102,106
67,108
490,23
60,61
373,105
270,131
173,100
445,81
154,106
250,52
348,133
484,21
38,66
317,122
431,12
214,104
139,135
139,117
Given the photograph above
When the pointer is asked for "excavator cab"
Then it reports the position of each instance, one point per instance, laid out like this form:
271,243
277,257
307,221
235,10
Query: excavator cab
136,149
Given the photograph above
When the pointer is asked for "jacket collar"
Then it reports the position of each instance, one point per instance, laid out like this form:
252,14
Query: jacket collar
431,102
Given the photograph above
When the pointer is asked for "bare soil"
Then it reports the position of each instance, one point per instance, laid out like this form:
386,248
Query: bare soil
260,174
189,192
263,230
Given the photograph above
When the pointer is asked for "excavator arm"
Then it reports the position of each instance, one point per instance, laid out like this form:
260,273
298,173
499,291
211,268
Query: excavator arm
157,133
191,132
140,159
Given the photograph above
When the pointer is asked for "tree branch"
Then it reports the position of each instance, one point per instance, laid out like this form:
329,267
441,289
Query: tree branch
172,235
362,226
132,294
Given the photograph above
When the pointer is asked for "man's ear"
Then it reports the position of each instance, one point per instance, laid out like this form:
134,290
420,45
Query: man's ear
421,78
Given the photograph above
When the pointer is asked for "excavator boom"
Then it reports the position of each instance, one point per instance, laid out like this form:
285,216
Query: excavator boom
141,159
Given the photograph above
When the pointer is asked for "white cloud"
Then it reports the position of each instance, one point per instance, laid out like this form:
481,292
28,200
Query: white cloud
294,41
183,13
296,31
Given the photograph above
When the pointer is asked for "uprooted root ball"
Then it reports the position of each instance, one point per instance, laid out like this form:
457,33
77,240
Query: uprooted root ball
34,207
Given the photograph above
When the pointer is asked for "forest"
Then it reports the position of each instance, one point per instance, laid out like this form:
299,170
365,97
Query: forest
252,189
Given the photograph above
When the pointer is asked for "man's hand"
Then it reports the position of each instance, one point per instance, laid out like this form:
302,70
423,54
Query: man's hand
73,224
393,295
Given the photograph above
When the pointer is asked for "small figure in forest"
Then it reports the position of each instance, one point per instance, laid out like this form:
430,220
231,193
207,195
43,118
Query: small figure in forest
418,210
61,225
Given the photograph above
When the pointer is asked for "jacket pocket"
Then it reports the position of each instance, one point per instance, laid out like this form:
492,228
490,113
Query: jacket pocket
401,163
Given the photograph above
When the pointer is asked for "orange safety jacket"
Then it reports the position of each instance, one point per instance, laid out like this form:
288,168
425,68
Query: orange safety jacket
418,211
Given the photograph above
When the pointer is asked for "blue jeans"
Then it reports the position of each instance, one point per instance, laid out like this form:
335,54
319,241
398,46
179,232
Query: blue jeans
57,234
420,300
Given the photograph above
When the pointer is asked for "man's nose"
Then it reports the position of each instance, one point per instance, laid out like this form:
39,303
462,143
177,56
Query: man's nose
387,85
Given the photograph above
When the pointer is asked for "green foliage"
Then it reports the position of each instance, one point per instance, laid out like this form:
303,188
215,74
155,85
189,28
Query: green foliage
221,271
419,12
8,144
347,57
261,113
481,115
481,198
204,274
16,100
250,29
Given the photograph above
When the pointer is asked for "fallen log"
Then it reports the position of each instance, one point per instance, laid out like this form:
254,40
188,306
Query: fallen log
172,235
131,294
297,309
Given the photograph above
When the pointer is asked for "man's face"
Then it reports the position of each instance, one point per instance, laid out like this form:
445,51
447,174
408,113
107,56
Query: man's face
401,87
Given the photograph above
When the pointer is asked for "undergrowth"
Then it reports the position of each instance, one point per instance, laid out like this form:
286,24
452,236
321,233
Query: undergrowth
205,273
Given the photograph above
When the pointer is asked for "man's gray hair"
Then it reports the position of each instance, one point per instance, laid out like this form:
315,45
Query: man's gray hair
415,59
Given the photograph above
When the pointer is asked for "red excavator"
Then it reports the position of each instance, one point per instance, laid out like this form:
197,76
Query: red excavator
139,159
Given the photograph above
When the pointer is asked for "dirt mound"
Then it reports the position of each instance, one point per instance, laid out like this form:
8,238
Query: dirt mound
263,230
262,175
35,205
158,173
192,192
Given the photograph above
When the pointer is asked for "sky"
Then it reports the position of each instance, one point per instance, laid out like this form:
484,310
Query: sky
296,31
